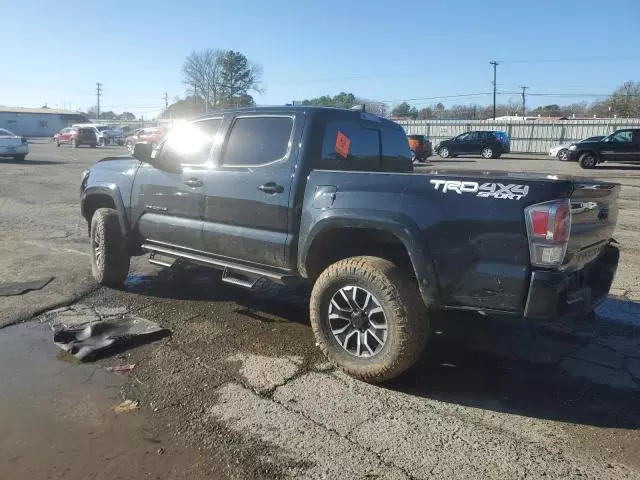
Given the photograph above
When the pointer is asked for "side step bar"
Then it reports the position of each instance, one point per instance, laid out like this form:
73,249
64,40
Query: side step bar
246,282
160,261
228,268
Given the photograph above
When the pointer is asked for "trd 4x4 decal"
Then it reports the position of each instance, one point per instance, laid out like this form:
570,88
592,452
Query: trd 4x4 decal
501,191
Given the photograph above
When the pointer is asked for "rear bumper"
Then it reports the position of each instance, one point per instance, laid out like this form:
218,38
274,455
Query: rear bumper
555,294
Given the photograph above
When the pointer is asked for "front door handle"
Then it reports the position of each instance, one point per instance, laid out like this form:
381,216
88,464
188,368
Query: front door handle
271,188
193,183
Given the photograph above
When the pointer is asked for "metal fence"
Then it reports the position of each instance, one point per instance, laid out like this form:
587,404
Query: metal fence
528,136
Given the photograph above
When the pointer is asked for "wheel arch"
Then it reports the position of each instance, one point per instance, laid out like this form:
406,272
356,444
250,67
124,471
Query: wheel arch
104,196
335,237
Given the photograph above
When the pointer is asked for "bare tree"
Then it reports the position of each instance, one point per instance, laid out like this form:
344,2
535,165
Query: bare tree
201,72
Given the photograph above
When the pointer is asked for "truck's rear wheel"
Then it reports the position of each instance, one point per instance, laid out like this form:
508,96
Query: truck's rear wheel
109,257
368,318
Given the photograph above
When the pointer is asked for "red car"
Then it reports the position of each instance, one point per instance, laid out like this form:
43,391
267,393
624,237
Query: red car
76,136
150,135
64,136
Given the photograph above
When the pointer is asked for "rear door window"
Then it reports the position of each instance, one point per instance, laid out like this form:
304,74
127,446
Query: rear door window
352,146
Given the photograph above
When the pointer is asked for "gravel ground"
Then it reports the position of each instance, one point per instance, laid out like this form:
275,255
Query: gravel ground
240,390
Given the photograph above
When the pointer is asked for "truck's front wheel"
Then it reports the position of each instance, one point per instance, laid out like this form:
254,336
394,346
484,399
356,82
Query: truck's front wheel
109,257
368,318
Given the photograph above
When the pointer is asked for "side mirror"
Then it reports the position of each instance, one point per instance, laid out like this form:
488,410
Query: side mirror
142,152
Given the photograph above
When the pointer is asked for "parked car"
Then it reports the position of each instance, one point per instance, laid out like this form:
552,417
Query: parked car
110,135
151,135
328,198
77,136
13,146
620,146
98,130
489,144
65,136
420,147
561,152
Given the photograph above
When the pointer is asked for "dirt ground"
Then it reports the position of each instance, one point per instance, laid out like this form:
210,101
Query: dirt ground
239,389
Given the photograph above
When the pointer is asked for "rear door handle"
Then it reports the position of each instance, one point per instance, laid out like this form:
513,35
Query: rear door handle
271,188
193,183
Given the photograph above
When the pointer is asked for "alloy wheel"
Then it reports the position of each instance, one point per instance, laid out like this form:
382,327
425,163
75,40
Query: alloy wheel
357,321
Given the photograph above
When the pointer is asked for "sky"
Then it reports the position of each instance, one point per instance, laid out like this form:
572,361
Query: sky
424,52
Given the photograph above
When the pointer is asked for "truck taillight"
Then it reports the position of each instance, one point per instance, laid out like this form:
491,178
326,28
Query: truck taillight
548,227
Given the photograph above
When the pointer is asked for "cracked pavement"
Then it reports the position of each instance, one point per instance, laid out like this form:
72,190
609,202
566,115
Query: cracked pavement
241,391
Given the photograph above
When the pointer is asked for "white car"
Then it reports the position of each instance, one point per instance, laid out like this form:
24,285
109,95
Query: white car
562,151
13,146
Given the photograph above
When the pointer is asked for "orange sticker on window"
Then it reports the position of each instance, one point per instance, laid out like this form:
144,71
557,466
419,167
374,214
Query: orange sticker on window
342,144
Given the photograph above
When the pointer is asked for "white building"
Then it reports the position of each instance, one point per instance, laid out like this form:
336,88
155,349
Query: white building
38,122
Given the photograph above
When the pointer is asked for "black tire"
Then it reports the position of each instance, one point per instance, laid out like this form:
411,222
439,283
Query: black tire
563,155
57,144
588,160
413,157
487,153
444,152
93,145
111,266
496,155
19,158
402,306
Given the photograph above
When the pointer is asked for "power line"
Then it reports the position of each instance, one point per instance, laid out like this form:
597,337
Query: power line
495,86
575,60
98,93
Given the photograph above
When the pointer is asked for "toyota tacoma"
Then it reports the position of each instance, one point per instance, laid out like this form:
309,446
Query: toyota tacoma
329,197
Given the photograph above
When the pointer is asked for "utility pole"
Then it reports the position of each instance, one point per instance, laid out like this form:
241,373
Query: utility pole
524,101
495,85
98,94
166,101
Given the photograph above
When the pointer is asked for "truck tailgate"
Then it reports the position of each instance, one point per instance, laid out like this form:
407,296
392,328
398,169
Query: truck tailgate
594,213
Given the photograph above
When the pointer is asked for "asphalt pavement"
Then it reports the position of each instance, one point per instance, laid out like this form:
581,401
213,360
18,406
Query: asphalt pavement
240,390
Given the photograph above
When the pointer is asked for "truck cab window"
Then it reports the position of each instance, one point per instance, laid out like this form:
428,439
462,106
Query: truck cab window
190,144
255,141
351,146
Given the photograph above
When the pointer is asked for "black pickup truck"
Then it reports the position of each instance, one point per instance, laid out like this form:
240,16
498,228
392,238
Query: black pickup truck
329,197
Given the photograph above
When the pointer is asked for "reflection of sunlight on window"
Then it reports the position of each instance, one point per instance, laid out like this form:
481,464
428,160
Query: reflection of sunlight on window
186,139
217,139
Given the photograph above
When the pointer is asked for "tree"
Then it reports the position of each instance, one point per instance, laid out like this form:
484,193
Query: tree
128,116
402,110
221,77
625,100
243,100
238,76
188,107
201,72
341,100
108,115
426,113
